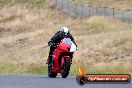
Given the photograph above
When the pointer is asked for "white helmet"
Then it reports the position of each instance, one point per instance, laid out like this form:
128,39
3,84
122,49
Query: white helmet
65,30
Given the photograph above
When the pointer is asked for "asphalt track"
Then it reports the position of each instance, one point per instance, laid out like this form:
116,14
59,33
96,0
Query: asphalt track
26,81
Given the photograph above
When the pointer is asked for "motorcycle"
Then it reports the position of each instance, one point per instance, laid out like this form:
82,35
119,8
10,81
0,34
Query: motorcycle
62,58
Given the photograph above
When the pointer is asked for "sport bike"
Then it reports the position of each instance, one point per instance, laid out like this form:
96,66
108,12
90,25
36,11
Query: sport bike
62,58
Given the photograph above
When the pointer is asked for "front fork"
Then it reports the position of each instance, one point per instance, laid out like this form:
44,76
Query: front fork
63,60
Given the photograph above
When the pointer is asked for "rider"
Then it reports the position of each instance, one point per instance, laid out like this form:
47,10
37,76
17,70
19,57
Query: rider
56,39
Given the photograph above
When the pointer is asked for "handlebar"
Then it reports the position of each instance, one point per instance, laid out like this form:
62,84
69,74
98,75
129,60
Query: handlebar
54,44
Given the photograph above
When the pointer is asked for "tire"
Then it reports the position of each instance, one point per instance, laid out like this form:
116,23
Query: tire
66,68
50,73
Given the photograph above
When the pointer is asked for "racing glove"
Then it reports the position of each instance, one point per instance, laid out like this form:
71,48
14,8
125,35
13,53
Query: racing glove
50,43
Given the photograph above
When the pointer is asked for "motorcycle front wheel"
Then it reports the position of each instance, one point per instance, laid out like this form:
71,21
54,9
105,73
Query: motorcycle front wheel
66,68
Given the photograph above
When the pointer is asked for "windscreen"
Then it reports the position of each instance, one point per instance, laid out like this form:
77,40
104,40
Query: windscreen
67,41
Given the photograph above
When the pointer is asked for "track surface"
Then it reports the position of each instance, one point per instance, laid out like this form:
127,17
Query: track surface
15,81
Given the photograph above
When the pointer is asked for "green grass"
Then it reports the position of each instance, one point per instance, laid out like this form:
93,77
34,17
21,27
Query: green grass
40,70
107,70
37,4
73,70
10,69
35,70
14,69
43,70
9,2
77,1
29,3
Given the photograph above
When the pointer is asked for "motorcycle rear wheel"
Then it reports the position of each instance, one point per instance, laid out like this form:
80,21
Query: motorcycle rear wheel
50,73
66,68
